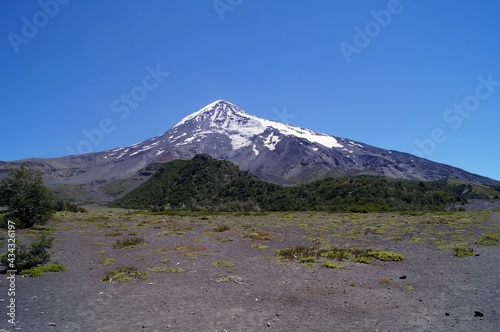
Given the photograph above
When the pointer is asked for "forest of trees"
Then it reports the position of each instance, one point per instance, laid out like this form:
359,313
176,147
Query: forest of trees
204,183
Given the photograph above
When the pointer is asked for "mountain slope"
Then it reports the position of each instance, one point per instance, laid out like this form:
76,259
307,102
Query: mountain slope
273,151
204,183
283,153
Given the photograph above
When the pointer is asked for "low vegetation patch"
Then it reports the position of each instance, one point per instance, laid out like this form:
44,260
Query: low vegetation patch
38,271
488,239
303,253
125,274
384,255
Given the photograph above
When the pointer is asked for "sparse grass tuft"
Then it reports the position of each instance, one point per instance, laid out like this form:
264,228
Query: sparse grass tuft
310,259
222,228
176,269
129,242
384,281
364,260
227,239
157,251
158,269
262,235
463,251
107,261
124,274
223,263
113,234
332,265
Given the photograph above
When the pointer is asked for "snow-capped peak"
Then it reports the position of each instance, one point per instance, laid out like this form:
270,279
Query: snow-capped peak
218,108
225,118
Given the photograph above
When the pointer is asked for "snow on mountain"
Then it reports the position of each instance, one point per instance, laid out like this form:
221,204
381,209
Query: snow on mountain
225,118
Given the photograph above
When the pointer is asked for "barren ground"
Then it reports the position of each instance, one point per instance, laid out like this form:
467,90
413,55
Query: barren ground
430,290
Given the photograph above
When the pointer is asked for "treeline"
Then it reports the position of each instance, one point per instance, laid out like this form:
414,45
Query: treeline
61,205
204,183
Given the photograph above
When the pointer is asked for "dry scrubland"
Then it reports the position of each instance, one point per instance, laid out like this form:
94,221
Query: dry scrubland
136,271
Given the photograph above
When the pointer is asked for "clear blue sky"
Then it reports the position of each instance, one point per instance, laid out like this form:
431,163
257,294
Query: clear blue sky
404,75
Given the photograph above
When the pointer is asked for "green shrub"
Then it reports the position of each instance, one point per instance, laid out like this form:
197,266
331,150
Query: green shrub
30,256
27,199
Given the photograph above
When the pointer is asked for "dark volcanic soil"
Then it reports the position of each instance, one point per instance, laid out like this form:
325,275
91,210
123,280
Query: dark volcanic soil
431,290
